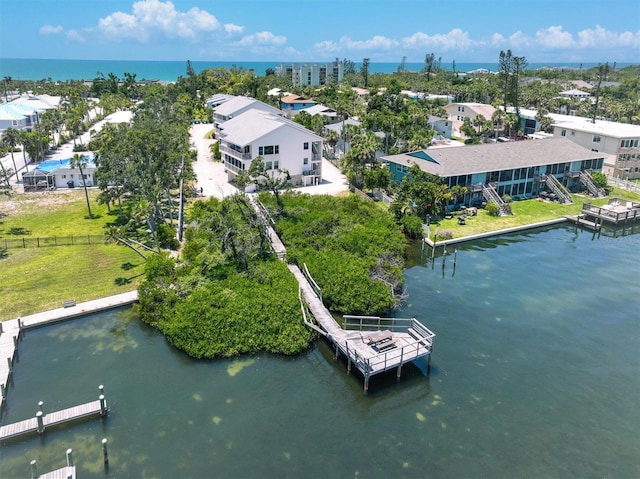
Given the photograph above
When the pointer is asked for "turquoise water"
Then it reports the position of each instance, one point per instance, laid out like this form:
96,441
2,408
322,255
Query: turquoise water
61,70
534,374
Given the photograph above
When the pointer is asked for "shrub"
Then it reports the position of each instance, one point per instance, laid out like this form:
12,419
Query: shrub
599,179
492,208
506,198
411,226
444,234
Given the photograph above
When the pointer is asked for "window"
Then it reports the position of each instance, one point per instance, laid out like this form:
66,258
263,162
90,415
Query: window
596,138
305,161
268,150
635,143
276,164
306,145
563,133
268,165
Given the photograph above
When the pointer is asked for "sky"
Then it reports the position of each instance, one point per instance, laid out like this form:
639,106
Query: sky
544,31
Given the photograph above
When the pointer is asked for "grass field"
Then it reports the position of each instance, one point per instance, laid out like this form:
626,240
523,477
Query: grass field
524,213
37,279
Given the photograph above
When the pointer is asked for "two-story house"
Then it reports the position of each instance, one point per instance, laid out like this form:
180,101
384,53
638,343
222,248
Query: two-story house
292,104
457,112
281,143
518,169
620,142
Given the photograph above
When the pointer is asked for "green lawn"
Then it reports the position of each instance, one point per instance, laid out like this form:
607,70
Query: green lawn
524,213
37,279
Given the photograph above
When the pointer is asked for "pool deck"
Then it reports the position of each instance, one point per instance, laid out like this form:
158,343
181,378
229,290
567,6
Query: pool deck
11,329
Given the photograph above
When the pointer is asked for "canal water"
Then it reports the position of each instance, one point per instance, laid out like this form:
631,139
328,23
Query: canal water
535,373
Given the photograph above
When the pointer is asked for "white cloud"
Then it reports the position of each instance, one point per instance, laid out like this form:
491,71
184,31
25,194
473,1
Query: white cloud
377,42
599,36
76,36
497,40
261,39
232,29
554,37
150,18
326,46
50,29
454,40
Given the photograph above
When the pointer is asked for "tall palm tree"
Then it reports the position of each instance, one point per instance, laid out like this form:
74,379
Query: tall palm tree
80,162
11,138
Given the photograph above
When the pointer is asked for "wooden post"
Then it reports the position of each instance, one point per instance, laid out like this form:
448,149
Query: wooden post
348,358
366,382
105,453
34,469
40,422
337,352
103,405
400,365
40,404
69,457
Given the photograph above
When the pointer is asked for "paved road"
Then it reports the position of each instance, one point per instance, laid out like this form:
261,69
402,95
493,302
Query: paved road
213,180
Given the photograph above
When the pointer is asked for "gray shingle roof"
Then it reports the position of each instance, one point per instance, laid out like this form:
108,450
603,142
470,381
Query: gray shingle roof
472,159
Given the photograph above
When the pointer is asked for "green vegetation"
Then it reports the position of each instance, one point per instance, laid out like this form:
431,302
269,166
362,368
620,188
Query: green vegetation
37,279
353,249
228,294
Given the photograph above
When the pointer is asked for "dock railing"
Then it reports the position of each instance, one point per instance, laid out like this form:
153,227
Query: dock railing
386,360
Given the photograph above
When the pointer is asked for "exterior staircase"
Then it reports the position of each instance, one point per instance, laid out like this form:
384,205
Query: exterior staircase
587,181
556,187
490,194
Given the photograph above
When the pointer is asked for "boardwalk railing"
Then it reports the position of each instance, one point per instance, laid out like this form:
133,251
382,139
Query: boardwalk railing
631,213
26,242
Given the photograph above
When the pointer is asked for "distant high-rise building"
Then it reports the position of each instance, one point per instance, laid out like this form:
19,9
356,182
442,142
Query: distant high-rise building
312,74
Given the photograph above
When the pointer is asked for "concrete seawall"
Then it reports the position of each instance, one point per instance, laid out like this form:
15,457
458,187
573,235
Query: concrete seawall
495,233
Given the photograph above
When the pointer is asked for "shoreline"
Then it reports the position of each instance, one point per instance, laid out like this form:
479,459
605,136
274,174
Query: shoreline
488,234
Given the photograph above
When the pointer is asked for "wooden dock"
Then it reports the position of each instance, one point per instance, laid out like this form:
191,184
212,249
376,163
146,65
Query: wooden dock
373,345
66,472
41,421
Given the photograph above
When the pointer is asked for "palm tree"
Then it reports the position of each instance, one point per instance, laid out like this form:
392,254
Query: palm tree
80,162
11,138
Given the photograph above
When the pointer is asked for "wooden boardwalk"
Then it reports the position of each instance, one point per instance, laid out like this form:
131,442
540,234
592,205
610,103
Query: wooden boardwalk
403,340
43,421
66,472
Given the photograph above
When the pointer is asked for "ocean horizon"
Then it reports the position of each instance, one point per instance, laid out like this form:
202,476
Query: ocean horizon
169,71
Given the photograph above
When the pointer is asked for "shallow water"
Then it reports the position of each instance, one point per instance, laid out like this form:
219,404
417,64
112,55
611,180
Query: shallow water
534,374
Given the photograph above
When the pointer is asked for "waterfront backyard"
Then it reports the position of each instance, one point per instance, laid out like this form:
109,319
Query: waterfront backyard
534,374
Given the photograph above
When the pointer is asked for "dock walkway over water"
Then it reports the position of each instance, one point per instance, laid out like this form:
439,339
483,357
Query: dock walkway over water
43,421
404,340
11,330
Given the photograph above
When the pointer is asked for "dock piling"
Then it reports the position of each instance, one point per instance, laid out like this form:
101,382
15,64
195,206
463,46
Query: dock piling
105,453
3,390
69,457
34,469
40,404
103,405
40,419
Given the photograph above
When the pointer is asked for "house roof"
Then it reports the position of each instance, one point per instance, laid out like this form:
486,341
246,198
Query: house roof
37,102
240,103
292,99
472,159
320,110
574,92
9,112
600,127
478,108
252,125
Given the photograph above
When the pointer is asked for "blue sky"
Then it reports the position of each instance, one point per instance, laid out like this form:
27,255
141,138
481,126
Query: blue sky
310,30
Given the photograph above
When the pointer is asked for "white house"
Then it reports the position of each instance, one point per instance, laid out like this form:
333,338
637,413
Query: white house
52,174
281,143
11,117
620,141
236,106
574,93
